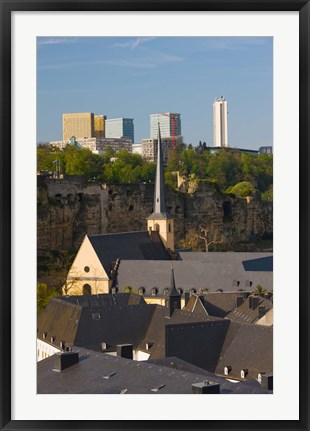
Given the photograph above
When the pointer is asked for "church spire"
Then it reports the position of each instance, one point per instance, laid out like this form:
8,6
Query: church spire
160,196
173,299
160,207
160,220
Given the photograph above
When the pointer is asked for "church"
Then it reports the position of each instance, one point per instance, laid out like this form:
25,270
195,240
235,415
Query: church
141,262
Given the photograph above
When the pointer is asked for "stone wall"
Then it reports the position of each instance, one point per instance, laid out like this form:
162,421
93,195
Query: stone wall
70,208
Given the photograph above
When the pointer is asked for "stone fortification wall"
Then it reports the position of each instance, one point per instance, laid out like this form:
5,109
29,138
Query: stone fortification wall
70,208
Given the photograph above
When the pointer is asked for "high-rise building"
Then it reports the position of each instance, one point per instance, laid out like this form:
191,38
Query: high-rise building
149,148
220,128
78,125
170,125
99,123
119,128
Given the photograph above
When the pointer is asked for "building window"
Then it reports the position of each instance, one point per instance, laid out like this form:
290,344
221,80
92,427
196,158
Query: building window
86,289
154,291
141,291
180,291
236,283
86,268
166,291
169,227
193,291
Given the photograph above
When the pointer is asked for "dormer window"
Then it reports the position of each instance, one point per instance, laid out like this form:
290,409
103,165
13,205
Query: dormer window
227,370
244,373
141,291
154,291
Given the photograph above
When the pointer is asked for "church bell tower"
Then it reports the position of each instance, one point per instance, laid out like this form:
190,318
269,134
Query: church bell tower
160,220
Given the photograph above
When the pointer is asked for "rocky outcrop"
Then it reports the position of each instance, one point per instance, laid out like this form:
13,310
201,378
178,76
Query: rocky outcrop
70,208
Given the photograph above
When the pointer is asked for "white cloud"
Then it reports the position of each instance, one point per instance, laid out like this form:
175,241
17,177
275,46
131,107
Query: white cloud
56,40
133,44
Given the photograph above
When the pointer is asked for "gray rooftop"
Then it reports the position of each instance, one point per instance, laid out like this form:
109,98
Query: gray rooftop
89,376
128,245
211,271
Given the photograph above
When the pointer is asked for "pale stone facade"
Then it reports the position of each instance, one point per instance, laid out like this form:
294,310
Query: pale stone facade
86,275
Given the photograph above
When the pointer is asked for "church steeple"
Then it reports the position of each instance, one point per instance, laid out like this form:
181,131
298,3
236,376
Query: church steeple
160,220
160,208
173,299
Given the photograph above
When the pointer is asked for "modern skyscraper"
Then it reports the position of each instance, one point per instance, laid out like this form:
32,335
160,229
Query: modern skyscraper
99,123
119,128
80,125
220,128
170,125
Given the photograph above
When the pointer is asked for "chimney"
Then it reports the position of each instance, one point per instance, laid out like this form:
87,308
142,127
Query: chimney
124,351
205,388
253,302
65,359
186,296
266,381
239,301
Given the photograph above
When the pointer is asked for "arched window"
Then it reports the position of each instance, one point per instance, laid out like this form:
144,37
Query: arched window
86,289
141,291
157,227
180,291
193,291
166,291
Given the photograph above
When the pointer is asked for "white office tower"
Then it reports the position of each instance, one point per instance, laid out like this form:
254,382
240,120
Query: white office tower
169,123
220,128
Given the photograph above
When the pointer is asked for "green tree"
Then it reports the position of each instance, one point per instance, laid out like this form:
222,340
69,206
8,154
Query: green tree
44,295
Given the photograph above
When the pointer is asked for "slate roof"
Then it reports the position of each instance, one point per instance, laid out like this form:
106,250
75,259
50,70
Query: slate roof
198,271
243,387
128,245
89,322
245,314
220,304
131,377
156,331
247,346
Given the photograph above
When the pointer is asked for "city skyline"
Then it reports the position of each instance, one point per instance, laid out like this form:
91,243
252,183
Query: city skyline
134,77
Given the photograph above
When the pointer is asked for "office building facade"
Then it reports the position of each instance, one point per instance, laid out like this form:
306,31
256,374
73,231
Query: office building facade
78,124
99,123
150,146
119,128
220,125
165,121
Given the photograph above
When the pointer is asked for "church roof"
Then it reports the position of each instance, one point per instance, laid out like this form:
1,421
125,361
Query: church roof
211,271
128,246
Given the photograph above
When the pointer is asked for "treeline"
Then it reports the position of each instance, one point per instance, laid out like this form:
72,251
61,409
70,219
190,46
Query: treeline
110,167
232,171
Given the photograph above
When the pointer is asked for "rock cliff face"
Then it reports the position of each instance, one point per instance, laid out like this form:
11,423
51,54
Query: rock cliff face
68,209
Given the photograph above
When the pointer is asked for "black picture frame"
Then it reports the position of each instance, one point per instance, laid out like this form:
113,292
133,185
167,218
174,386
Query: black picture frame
7,7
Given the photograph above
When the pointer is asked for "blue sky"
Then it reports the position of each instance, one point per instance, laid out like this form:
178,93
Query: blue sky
134,77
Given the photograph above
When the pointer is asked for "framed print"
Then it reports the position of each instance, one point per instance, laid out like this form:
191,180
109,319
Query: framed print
138,225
